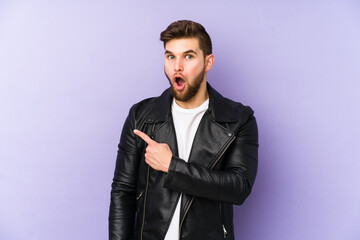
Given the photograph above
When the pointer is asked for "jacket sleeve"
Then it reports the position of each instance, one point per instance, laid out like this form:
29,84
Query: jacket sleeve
123,191
232,182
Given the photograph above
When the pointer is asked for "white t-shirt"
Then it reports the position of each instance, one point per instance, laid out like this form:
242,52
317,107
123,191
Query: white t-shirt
186,122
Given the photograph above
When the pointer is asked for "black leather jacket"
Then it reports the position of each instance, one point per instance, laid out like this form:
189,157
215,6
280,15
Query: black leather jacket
220,172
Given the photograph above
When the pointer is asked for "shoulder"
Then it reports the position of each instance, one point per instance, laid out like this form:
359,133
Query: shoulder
151,109
242,119
239,109
142,108
228,110
143,104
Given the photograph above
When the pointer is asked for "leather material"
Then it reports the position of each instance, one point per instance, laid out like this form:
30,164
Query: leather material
220,172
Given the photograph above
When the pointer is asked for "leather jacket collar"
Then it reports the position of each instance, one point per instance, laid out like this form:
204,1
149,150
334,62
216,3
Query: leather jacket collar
220,109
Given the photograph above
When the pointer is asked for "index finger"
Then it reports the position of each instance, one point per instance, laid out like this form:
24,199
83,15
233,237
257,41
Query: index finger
144,137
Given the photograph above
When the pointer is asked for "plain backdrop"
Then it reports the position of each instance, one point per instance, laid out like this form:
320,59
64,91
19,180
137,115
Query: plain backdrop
70,71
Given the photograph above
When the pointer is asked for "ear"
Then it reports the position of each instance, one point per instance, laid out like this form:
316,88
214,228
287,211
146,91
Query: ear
209,62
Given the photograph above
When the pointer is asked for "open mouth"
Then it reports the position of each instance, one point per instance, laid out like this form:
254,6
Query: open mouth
179,83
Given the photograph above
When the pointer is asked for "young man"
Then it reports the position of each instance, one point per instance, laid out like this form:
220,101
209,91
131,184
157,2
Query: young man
186,156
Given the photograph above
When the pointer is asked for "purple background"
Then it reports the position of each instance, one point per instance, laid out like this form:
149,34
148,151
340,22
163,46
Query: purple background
70,71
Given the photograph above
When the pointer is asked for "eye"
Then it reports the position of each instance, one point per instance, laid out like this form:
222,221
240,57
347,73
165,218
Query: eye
189,56
171,57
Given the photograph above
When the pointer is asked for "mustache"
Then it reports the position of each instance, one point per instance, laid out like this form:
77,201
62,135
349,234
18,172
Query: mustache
173,78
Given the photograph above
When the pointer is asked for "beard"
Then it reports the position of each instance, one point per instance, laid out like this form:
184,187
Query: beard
190,89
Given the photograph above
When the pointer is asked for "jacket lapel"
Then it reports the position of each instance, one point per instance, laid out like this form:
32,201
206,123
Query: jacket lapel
211,137
209,140
160,115
165,133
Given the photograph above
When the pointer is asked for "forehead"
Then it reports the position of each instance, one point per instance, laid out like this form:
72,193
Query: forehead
182,45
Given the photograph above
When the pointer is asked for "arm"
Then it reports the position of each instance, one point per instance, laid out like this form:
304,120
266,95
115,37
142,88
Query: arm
232,183
123,199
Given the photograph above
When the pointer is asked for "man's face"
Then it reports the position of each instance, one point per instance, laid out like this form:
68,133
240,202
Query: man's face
184,67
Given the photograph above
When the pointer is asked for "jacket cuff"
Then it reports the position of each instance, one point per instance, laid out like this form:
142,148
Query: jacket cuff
171,172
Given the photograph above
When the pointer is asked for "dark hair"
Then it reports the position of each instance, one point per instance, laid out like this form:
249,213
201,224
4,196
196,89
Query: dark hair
188,29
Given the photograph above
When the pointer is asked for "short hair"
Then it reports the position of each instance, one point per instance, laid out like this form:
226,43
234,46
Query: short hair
188,29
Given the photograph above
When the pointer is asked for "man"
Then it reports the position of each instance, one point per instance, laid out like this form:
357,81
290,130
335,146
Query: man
186,156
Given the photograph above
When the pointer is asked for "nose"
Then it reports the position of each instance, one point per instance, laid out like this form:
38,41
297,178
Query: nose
179,65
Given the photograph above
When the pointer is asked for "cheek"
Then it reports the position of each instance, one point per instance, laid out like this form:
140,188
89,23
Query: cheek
167,67
195,69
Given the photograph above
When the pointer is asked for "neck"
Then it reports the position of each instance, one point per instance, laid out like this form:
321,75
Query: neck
201,96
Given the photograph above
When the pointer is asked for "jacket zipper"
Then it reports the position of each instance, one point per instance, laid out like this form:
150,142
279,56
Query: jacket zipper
147,185
146,190
138,197
192,199
222,222
186,211
225,232
227,146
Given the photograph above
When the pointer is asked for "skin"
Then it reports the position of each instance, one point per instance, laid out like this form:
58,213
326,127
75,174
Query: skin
183,57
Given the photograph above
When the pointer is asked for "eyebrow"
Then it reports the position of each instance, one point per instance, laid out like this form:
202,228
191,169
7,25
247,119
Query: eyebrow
191,51
188,51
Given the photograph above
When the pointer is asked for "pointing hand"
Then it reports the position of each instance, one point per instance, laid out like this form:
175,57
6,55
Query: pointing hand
158,155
